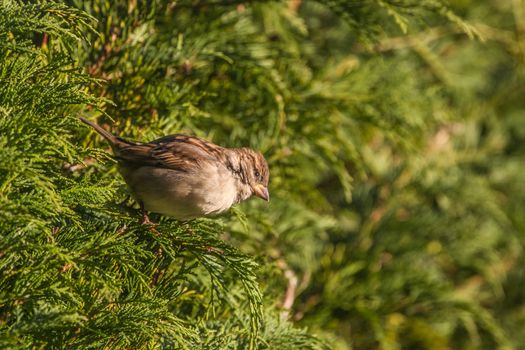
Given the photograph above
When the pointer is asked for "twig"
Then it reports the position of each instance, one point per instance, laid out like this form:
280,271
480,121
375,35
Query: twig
289,295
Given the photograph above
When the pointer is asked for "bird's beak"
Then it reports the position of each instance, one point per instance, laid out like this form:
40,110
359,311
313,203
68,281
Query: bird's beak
262,192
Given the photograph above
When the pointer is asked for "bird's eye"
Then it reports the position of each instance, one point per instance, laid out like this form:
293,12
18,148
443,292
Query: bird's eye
257,174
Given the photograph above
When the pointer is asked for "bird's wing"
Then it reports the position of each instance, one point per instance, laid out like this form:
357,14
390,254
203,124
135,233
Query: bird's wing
178,152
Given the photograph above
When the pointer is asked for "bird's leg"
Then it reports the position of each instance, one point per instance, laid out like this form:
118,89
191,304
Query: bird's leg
146,220
145,217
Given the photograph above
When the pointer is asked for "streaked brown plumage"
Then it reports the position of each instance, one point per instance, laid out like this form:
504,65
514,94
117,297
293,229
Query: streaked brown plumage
187,177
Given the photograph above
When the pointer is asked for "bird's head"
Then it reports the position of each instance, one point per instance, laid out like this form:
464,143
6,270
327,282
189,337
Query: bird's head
255,172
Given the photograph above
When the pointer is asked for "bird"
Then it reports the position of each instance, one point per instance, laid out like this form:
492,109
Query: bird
186,177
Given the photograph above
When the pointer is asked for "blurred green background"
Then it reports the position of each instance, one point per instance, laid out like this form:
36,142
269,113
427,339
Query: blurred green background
394,132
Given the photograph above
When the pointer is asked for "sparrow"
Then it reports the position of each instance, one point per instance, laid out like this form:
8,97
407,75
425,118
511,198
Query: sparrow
186,177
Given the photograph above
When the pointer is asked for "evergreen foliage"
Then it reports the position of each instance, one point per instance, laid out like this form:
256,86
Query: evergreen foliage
394,133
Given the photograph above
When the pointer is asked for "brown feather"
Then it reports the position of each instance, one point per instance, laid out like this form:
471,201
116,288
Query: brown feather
178,152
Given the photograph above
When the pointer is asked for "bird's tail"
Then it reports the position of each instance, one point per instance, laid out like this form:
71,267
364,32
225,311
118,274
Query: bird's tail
114,140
